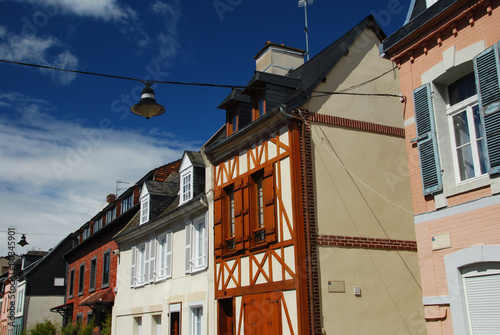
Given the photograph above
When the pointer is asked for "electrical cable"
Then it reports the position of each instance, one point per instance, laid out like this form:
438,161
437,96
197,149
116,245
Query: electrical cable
349,171
342,92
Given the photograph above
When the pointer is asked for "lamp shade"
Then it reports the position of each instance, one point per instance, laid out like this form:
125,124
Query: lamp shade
147,106
22,242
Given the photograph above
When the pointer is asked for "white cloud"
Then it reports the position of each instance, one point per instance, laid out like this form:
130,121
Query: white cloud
55,173
99,9
38,50
168,45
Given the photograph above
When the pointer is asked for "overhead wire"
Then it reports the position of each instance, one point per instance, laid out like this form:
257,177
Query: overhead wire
321,93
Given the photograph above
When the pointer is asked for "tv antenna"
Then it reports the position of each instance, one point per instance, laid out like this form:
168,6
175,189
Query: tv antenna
118,188
305,3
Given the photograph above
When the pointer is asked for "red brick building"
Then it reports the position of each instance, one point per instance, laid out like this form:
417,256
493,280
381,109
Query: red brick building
92,262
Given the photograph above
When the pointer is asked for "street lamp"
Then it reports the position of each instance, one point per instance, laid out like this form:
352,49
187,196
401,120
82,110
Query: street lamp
147,106
22,242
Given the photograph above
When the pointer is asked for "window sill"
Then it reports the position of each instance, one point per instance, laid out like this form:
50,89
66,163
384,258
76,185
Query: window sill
196,271
468,185
104,286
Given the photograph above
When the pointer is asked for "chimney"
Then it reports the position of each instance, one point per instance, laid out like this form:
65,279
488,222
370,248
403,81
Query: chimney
110,198
278,58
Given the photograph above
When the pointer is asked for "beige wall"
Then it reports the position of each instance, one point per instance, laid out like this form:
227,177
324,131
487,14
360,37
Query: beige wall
362,63
154,299
39,309
362,190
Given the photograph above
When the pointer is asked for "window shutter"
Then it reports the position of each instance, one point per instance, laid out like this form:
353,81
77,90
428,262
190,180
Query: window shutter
269,189
205,239
487,71
146,263
218,222
152,254
427,140
188,247
202,226
132,268
238,219
168,257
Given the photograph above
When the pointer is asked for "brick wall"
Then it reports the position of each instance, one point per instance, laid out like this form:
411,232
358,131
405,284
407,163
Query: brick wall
307,176
364,242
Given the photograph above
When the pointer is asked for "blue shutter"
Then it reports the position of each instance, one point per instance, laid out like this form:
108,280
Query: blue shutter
487,71
427,141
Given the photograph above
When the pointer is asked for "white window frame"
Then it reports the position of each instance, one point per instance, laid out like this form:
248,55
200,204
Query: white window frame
110,215
145,208
196,245
164,252
465,105
143,269
186,188
194,318
140,263
126,203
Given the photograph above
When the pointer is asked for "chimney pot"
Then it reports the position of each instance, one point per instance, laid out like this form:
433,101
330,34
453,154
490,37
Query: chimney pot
111,198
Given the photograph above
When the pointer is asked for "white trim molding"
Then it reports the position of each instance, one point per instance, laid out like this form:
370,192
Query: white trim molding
453,265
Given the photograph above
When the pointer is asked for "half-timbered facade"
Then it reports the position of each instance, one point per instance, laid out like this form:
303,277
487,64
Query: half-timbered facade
255,230
311,232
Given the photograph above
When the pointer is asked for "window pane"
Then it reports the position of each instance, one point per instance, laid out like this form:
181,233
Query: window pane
465,162
461,127
462,89
260,203
479,138
105,269
231,215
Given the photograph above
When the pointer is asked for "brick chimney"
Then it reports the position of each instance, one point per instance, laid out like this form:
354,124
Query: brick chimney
278,58
110,198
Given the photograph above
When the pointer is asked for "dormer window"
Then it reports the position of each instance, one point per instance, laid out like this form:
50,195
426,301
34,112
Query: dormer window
187,185
145,208
259,106
232,122
126,203
110,215
97,224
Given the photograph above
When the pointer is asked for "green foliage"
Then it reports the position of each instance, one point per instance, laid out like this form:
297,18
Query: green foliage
46,327
106,326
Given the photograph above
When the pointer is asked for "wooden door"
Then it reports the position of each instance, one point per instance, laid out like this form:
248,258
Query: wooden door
226,317
175,328
262,314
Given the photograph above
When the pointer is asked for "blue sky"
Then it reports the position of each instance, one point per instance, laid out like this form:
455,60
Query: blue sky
65,138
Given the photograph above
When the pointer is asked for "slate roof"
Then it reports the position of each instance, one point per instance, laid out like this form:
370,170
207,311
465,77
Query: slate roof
235,96
418,17
162,188
170,188
294,89
313,71
196,158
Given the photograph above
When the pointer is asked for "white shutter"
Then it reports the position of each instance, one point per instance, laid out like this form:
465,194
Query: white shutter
168,256
152,254
205,245
160,257
132,268
483,302
145,273
188,246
